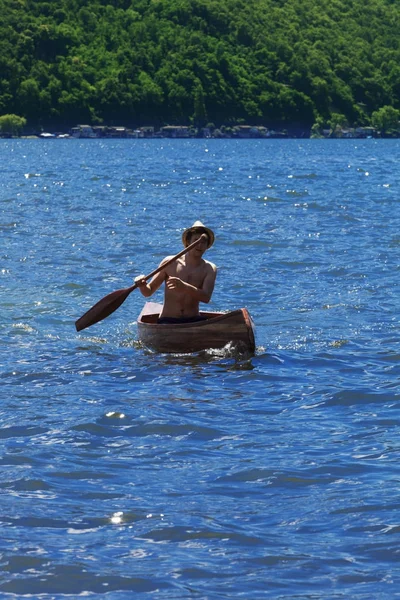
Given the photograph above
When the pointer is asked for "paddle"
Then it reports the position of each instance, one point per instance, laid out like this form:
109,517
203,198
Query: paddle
111,302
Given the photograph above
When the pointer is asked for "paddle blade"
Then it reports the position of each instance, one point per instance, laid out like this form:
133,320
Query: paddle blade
103,308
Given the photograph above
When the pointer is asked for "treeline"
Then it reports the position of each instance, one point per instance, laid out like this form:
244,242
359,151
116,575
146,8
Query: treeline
274,62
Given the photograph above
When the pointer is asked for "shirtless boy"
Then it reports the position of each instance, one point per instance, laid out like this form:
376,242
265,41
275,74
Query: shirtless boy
189,280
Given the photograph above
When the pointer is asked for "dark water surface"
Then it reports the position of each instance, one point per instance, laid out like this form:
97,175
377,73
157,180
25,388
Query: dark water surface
126,474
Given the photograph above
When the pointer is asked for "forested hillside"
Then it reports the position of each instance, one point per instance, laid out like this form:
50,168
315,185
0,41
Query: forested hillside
141,62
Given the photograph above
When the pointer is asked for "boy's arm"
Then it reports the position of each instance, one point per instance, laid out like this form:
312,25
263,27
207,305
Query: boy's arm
148,289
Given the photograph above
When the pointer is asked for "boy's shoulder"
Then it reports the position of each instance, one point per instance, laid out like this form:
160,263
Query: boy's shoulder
210,265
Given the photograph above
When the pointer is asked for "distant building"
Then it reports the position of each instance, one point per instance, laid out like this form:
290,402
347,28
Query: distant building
99,130
366,132
250,131
143,132
117,132
347,133
83,131
175,131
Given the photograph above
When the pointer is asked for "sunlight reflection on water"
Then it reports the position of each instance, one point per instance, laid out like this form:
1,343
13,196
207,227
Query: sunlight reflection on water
211,474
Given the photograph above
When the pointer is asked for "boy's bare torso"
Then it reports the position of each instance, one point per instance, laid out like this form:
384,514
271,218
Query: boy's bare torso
177,303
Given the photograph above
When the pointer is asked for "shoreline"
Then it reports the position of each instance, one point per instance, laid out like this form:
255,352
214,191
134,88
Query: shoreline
106,138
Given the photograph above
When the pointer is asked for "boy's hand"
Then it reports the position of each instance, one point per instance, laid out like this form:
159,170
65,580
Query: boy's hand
140,280
174,283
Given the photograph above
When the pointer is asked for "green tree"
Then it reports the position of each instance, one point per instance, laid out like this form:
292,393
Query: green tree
284,61
386,119
28,99
200,113
317,128
12,124
336,123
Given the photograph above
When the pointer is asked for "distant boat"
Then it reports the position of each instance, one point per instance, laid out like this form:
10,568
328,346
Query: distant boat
216,331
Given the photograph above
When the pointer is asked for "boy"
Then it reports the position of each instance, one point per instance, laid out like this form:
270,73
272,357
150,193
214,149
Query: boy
188,281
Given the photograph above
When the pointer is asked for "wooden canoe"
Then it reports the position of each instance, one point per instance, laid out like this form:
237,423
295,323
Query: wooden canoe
218,330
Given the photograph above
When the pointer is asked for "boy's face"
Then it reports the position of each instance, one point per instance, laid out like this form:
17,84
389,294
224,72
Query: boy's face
202,246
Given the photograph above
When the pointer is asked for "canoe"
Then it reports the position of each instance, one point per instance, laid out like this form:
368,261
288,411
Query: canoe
218,330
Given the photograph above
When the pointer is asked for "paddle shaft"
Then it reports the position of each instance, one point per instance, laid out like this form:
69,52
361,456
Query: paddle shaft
107,305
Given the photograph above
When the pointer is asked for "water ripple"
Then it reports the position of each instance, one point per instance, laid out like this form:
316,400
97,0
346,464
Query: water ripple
213,475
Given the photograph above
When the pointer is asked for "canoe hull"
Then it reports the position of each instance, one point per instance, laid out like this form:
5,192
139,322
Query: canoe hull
218,330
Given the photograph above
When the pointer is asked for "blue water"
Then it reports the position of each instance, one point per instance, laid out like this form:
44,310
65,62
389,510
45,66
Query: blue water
126,474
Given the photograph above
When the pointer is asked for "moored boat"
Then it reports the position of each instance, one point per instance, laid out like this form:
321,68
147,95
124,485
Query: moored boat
216,331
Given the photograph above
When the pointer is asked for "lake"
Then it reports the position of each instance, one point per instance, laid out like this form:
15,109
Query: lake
128,474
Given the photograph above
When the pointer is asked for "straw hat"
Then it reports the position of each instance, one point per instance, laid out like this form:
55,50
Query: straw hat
198,227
